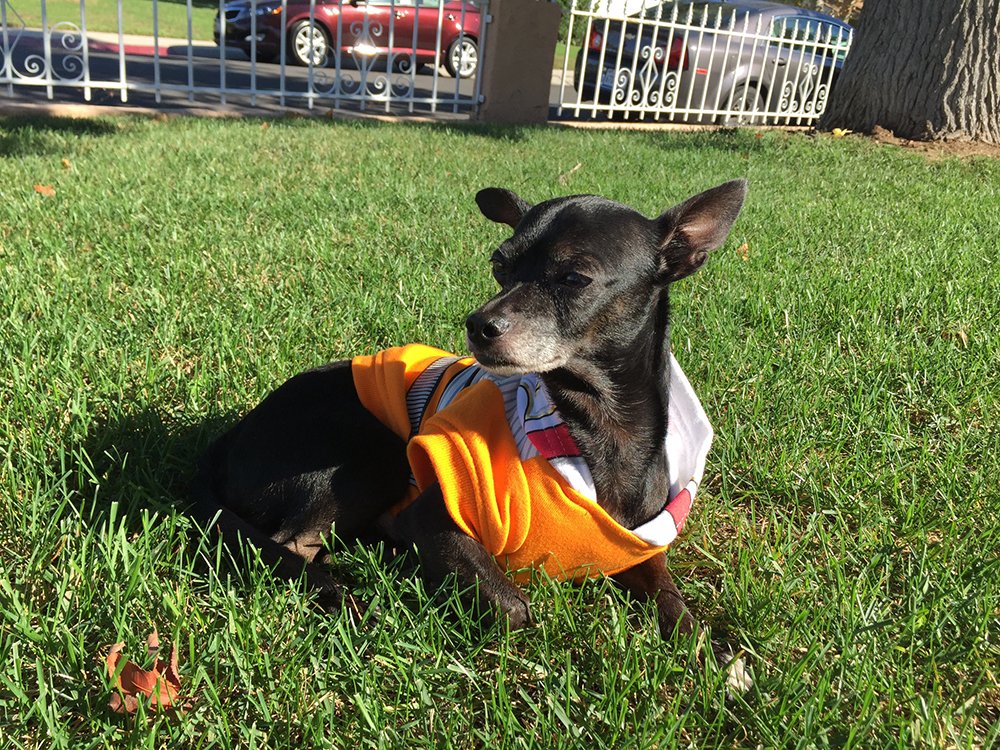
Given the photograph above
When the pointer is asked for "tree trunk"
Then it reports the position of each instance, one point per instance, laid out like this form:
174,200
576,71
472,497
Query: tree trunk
925,69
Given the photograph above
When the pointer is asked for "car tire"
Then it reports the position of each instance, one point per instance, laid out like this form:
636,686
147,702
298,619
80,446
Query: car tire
753,100
462,58
302,37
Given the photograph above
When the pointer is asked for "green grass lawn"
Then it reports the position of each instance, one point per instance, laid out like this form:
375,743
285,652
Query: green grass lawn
137,16
847,535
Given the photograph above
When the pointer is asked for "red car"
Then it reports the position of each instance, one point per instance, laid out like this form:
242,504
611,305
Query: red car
363,28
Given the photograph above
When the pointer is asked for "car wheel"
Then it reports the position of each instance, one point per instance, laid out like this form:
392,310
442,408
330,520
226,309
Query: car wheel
748,98
308,40
462,58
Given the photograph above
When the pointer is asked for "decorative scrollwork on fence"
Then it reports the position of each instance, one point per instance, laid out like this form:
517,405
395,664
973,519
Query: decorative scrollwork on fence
818,103
623,85
72,40
646,86
366,80
801,97
649,77
670,84
60,62
400,66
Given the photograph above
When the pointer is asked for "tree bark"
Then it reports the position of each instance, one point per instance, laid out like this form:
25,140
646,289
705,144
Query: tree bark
924,69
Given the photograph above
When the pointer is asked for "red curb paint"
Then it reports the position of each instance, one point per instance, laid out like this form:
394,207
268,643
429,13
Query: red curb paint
140,50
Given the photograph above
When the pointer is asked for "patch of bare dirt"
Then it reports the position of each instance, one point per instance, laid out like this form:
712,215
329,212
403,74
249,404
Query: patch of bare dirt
938,149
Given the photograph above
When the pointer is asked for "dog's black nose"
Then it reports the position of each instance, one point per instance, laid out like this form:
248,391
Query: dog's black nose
482,328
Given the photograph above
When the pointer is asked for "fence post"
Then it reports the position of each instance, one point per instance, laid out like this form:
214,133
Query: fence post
517,61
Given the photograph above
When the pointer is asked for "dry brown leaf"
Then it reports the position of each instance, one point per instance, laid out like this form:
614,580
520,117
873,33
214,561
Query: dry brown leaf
161,685
67,164
153,642
743,251
47,190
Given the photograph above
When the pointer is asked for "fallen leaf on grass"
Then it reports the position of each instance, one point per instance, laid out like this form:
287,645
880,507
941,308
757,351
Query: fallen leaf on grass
841,132
743,251
47,190
67,164
161,685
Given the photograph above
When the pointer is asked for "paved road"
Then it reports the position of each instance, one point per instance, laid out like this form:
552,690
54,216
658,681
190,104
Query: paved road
197,73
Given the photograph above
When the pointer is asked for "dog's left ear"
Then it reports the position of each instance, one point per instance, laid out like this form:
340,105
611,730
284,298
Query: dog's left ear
502,206
689,231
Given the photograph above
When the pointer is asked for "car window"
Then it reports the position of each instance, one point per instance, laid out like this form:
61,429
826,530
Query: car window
806,29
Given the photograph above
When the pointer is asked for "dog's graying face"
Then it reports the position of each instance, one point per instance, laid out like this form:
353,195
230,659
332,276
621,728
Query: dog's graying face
579,269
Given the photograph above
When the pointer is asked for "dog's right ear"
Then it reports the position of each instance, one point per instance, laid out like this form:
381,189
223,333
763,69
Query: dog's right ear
502,206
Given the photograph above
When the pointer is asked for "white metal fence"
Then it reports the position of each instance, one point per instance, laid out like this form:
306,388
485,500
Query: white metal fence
700,62
400,56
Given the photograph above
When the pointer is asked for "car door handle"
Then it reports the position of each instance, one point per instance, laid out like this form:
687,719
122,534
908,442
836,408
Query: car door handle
782,61
400,14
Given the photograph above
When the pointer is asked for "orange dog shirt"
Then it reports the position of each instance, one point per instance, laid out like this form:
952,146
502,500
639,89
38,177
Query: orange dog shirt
511,475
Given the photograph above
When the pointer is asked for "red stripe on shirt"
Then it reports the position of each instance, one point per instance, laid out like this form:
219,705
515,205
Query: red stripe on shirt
679,507
554,442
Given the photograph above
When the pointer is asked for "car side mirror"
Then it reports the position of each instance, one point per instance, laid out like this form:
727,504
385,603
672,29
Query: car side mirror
356,3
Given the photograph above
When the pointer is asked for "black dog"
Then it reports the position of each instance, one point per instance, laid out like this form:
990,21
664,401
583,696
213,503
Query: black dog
584,308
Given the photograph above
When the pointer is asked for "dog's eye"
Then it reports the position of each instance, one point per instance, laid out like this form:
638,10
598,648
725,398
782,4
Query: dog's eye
499,266
574,280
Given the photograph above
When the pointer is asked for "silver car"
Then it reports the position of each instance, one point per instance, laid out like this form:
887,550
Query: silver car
752,60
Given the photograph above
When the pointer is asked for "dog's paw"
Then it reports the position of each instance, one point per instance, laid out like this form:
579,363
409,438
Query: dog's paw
519,615
738,679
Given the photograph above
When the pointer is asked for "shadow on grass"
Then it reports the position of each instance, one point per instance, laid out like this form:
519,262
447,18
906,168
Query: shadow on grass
34,134
737,140
490,131
146,461
463,128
